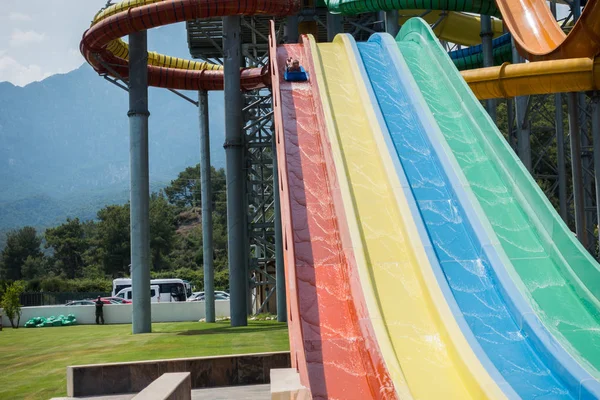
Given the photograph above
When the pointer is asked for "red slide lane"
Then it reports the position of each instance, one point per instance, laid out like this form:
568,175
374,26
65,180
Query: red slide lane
332,341
94,41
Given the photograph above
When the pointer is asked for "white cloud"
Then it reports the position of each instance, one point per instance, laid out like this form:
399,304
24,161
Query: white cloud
20,38
21,75
16,16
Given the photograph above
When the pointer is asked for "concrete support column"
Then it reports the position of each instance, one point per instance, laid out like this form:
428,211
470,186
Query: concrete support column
234,152
140,182
391,22
206,196
334,25
488,56
596,135
577,168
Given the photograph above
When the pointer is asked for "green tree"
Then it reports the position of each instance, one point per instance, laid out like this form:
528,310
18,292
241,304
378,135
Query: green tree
162,230
69,243
11,303
33,268
185,190
20,244
113,240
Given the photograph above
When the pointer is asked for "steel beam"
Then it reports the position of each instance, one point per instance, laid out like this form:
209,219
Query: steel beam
576,168
488,56
206,198
140,184
234,152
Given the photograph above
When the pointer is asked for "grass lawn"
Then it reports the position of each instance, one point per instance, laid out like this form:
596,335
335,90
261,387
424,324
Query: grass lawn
33,361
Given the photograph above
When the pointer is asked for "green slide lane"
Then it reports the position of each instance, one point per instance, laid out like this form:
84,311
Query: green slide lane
555,273
352,7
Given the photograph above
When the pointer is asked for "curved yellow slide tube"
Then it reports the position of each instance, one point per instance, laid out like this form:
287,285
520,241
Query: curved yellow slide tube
455,27
541,77
435,359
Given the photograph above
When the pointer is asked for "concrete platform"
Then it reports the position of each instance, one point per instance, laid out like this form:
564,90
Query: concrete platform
250,392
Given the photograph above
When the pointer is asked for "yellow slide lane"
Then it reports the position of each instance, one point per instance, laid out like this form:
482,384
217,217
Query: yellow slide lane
455,27
435,359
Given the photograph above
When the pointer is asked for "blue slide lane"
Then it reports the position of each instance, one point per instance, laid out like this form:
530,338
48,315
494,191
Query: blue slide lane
460,253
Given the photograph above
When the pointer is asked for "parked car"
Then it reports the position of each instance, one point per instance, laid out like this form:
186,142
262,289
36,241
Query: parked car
104,300
218,296
80,303
194,295
117,300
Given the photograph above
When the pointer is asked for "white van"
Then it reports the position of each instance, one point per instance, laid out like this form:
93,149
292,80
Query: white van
154,294
168,289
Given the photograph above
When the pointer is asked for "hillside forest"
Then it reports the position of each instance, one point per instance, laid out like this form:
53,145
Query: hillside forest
84,256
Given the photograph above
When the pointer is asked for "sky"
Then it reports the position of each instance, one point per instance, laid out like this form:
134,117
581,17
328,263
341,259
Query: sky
39,38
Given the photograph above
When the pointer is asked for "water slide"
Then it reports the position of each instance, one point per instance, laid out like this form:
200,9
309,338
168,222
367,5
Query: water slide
463,252
416,326
549,266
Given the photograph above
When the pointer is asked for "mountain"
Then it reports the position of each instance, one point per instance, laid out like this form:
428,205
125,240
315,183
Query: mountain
64,141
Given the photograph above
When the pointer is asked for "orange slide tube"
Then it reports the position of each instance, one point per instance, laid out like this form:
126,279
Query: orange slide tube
538,36
96,39
543,77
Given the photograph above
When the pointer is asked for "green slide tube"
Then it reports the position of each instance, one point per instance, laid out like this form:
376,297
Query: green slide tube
353,7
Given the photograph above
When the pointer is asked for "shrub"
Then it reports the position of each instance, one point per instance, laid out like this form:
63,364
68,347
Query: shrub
11,303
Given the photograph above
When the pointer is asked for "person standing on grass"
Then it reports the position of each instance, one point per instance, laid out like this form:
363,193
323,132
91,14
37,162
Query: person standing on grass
99,311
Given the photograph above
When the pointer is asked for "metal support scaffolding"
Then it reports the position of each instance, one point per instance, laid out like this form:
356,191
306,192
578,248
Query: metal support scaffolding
572,102
488,57
206,198
596,134
523,131
140,183
279,266
561,159
234,147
